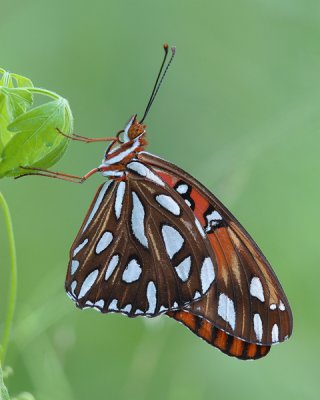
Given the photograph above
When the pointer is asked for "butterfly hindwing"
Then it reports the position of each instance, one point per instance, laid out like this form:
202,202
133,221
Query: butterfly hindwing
246,300
134,252
228,344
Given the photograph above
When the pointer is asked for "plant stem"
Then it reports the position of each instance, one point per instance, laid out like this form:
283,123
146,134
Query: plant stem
13,280
45,92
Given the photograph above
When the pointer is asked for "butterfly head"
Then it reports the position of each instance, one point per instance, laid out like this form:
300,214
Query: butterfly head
124,148
132,134
133,129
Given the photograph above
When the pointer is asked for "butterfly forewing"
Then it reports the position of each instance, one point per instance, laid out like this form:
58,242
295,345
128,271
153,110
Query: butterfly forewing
140,250
246,300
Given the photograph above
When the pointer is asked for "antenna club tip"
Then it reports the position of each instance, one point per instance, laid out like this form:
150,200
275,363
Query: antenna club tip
173,49
165,47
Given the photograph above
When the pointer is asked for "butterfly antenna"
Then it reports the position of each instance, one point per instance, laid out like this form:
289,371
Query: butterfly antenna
159,79
165,48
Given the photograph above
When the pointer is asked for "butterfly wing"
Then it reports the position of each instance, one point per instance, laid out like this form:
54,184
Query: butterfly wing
228,344
246,299
134,252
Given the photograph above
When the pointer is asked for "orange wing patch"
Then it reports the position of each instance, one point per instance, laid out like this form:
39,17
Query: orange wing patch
228,344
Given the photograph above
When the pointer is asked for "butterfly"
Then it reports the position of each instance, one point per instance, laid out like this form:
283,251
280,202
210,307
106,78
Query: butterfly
156,241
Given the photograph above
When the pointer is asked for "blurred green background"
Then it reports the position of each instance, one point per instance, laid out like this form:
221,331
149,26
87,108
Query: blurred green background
240,111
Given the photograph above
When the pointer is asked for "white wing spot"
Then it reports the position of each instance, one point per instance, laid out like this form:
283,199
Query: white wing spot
183,269
196,295
200,229
137,220
139,312
113,305
163,308
132,271
226,310
182,189
187,202
142,170
281,306
169,204
275,333
104,242
99,303
112,266
273,306
97,203
119,199
207,274
88,282
80,247
175,304
73,287
151,297
213,220
256,289
257,326
74,266
172,239
127,308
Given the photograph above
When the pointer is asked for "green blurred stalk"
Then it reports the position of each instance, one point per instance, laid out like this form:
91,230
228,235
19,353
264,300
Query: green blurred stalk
4,395
13,280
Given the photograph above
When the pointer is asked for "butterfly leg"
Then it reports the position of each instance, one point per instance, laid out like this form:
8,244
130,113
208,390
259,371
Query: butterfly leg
58,175
85,139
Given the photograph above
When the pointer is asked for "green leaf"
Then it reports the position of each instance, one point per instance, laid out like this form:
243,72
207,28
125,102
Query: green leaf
22,81
5,135
28,137
8,79
15,99
36,142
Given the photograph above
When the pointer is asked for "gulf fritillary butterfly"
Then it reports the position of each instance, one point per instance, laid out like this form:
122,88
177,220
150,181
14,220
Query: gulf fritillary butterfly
155,241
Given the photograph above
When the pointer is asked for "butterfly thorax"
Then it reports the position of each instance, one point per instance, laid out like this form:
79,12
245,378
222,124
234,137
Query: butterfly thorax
121,152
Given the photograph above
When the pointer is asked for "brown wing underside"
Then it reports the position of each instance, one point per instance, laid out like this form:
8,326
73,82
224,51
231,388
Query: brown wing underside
246,300
126,254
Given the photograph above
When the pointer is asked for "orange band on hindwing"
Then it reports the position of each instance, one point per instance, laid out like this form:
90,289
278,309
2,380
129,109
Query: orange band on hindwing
228,344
